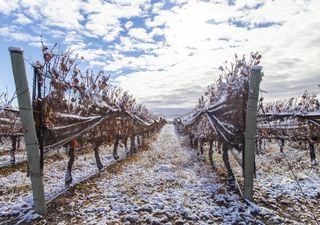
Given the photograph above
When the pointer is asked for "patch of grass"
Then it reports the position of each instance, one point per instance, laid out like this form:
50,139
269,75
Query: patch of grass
7,170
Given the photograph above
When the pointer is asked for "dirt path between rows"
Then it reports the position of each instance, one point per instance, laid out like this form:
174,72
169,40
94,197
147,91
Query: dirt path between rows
165,183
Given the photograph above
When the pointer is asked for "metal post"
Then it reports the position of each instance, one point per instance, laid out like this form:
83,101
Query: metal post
251,126
26,114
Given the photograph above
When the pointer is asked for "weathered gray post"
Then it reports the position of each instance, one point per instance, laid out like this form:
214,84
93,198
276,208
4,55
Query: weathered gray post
251,126
26,114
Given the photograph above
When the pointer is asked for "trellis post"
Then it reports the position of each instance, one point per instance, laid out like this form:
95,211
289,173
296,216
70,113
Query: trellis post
30,137
250,133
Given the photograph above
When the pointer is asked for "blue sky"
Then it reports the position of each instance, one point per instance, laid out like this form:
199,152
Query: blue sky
166,52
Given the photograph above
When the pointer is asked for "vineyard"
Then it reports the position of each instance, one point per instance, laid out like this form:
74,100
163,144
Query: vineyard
287,135
77,112
93,139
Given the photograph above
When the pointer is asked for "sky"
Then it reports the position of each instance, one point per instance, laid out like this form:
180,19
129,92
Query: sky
165,53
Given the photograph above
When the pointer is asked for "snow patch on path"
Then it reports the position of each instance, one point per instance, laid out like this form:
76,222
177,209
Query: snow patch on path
167,184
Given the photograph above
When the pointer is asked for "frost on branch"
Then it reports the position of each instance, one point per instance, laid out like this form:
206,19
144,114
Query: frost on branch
225,101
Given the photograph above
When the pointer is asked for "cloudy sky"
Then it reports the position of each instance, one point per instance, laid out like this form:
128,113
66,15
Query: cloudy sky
166,52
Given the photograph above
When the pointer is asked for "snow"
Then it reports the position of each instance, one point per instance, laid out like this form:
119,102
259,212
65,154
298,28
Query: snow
5,149
165,183
76,117
280,178
16,187
278,193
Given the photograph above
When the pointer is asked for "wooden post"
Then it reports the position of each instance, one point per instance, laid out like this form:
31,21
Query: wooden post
26,114
251,126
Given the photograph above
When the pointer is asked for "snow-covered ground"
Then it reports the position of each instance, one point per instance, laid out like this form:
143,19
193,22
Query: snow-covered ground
289,183
286,184
5,148
167,183
15,188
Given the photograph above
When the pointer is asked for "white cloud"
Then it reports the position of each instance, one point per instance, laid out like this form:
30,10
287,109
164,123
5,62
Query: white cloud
98,63
58,13
11,33
157,7
63,14
159,20
128,25
179,2
193,39
135,3
112,10
33,8
100,25
103,18
156,32
8,6
193,51
249,3
22,19
92,54
140,34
